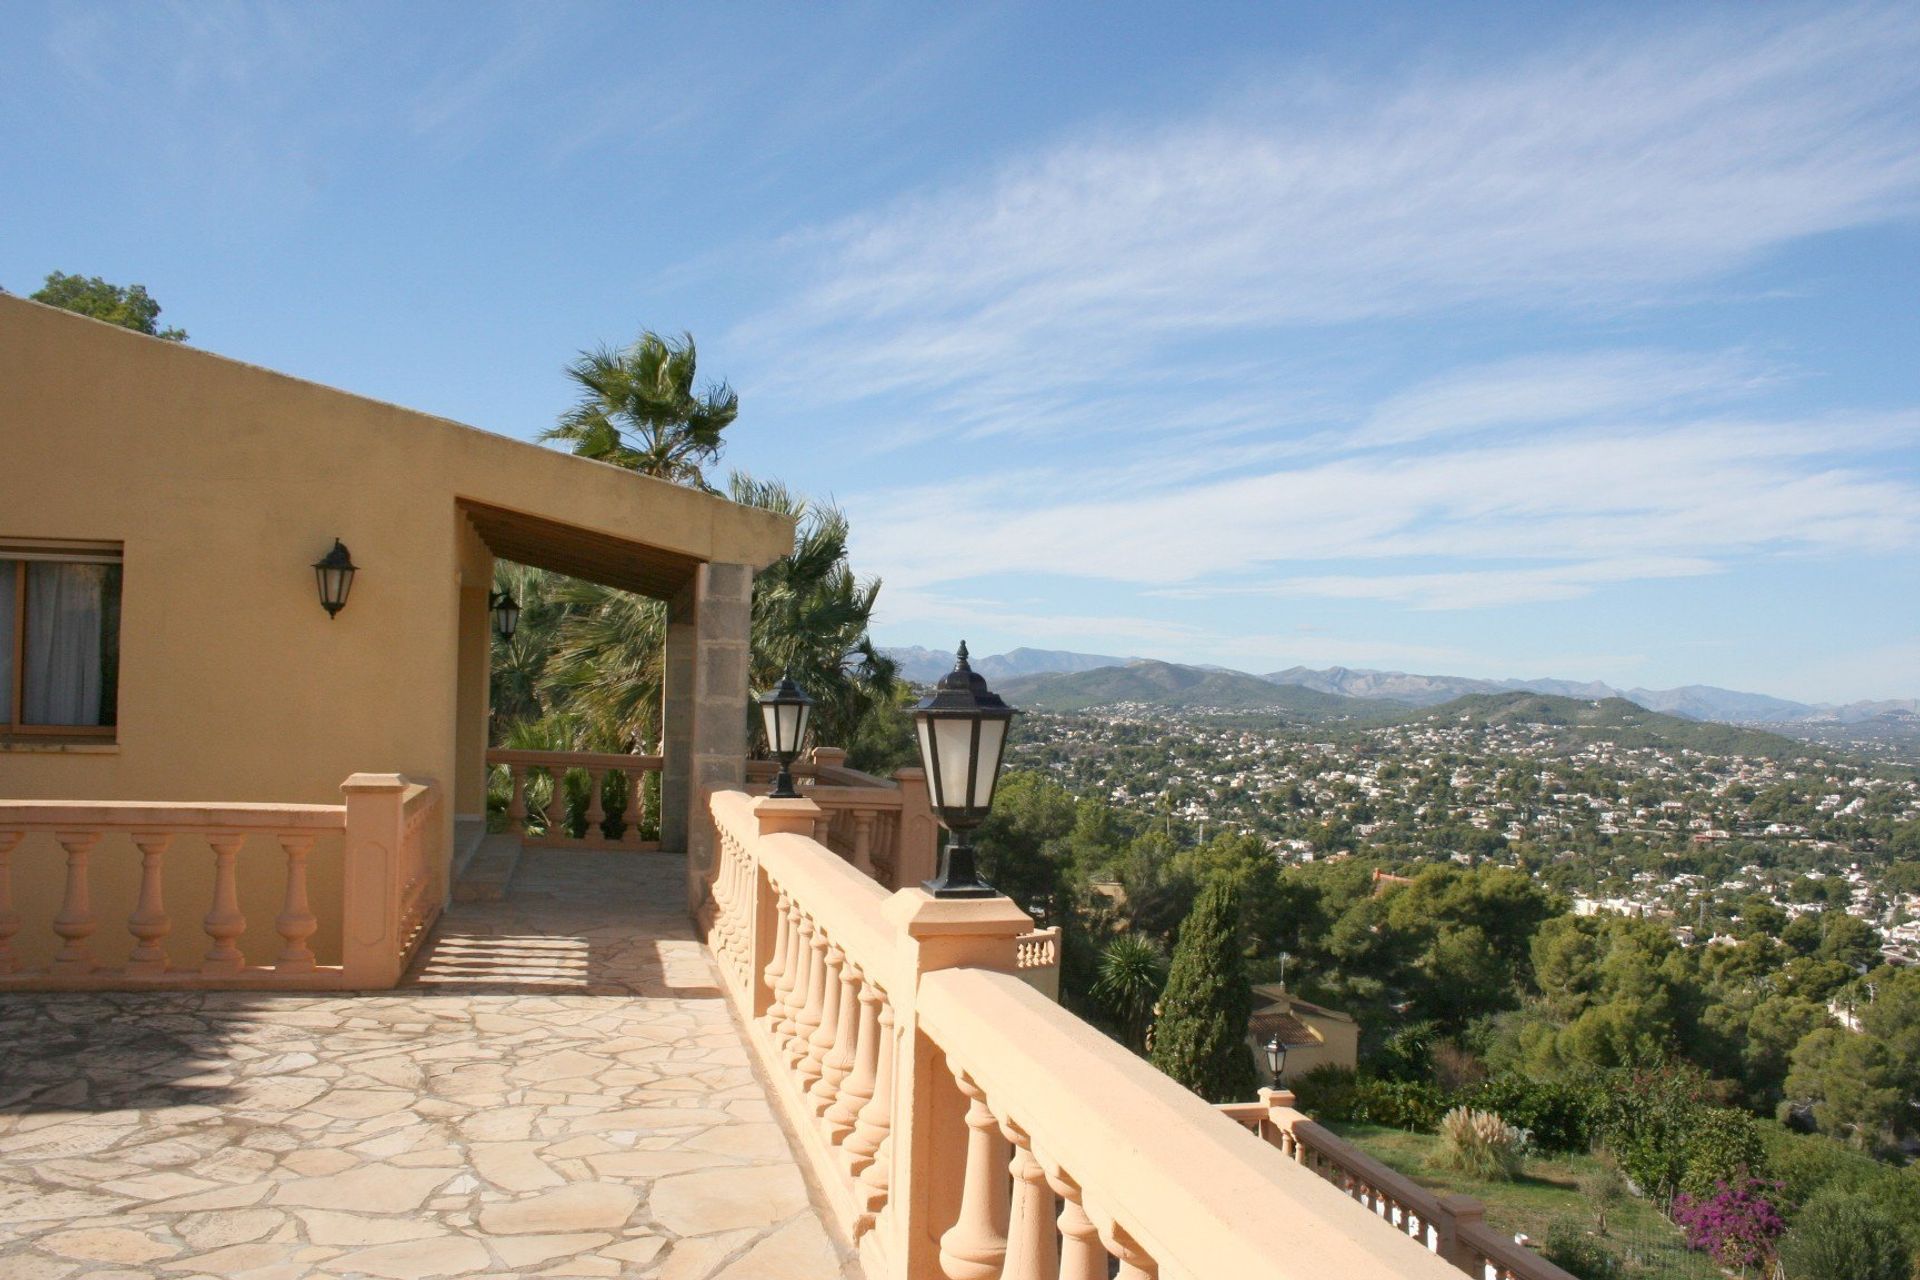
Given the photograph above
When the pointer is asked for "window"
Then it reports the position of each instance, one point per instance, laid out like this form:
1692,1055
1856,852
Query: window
59,638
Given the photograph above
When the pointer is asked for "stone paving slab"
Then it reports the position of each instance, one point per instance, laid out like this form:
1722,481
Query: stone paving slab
560,1090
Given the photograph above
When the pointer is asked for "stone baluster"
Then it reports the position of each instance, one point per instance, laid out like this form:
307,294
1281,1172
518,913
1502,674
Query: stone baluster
295,923
1032,1253
794,985
838,1064
517,802
596,806
975,1246
223,921
812,1068
866,1145
808,1020
863,842
857,1089
556,808
776,973
75,923
149,923
9,918
1082,1256
821,826
1135,1264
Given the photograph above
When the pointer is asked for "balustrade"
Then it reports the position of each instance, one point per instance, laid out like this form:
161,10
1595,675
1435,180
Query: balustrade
386,845
574,788
962,1125
1451,1226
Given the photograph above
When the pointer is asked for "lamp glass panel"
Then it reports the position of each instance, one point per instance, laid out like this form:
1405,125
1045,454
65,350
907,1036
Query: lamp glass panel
805,713
334,585
993,734
954,736
925,726
770,718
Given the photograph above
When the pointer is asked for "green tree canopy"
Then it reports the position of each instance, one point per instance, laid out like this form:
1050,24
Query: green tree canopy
130,306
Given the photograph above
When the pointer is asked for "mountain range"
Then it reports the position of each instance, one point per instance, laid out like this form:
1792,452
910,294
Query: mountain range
1158,682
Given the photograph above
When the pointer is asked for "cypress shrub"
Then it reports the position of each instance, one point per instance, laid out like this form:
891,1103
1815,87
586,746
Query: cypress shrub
1200,1038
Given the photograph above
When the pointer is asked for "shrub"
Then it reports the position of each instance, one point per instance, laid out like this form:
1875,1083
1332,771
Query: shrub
1326,1093
1736,1224
1572,1250
1844,1237
1723,1146
1557,1117
1481,1145
1399,1104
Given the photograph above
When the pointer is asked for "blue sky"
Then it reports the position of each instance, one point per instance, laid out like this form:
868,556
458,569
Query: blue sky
1491,340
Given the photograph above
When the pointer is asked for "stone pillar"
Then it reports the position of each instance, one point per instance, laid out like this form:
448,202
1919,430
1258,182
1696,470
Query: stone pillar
722,623
928,1134
676,723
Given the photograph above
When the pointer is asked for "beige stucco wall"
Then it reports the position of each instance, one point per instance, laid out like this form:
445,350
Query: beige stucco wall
225,482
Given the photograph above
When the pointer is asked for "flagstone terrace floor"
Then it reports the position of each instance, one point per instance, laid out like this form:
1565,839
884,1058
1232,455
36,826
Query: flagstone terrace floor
560,1090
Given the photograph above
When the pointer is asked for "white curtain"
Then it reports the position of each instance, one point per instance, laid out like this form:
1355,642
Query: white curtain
8,571
65,610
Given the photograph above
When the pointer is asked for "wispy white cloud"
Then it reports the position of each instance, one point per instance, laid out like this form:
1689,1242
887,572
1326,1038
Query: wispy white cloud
1606,174
1606,504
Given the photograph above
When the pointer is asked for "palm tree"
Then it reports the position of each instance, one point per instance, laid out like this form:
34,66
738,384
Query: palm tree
638,409
810,617
1132,970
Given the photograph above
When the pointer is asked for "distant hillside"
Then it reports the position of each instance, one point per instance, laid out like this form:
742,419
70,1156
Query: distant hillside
1610,720
1172,687
923,666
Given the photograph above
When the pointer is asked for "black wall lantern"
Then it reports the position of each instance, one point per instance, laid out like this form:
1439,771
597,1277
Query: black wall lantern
785,709
1276,1058
506,614
333,572
963,736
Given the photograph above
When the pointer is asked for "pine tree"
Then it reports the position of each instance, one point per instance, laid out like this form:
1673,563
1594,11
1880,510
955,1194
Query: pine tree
1201,1036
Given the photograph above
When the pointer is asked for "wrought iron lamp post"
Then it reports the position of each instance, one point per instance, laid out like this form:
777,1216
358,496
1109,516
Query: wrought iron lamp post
963,737
785,709
1276,1058
333,573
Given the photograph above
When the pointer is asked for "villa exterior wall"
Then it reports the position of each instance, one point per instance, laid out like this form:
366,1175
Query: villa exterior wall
224,482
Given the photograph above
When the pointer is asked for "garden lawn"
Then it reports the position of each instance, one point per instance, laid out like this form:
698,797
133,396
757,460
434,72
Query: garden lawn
1548,1190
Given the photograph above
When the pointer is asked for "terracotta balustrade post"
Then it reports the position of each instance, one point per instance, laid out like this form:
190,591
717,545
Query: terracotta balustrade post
1135,1262
370,905
875,1121
926,1171
838,1064
1032,1251
863,842
9,918
776,970
295,923
517,803
75,923
1456,1212
223,922
857,1089
807,1020
596,806
149,923
1082,1256
812,1069
975,1246
636,806
916,853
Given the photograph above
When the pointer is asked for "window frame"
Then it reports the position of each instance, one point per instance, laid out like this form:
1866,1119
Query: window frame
25,551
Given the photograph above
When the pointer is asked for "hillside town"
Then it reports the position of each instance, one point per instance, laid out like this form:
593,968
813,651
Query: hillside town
1660,831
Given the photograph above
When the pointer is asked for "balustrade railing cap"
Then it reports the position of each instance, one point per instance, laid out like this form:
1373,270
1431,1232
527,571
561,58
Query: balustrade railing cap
921,915
376,782
795,816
